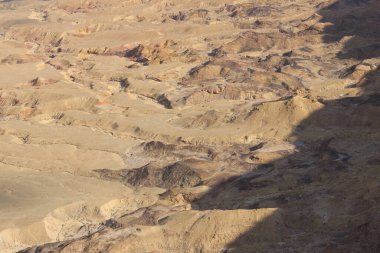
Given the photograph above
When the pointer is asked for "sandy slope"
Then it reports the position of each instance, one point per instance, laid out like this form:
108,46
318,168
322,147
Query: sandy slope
189,126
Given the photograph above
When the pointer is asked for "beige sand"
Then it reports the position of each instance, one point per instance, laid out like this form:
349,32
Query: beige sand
189,126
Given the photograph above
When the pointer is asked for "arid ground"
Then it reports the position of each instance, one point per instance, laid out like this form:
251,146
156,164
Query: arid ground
189,126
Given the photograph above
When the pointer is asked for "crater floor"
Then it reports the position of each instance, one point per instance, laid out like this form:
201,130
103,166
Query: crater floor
189,126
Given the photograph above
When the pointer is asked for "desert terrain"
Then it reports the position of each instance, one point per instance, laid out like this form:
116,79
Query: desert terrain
170,126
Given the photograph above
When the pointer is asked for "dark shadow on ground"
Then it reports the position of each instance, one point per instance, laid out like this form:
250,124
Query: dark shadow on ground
327,193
